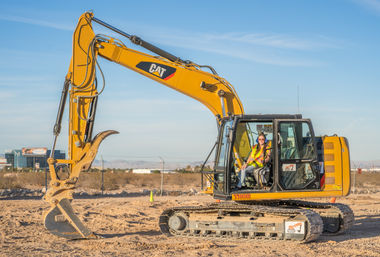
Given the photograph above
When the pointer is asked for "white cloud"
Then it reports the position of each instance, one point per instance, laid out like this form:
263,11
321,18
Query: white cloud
277,40
257,56
373,5
6,95
37,22
266,39
267,48
14,81
249,54
255,47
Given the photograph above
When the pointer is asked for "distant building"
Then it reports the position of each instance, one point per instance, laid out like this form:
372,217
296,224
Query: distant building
147,171
142,171
32,157
9,156
3,163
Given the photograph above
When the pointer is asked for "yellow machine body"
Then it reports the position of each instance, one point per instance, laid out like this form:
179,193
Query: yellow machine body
186,77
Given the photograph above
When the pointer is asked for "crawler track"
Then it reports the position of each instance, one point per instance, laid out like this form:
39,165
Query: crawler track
258,220
235,220
337,218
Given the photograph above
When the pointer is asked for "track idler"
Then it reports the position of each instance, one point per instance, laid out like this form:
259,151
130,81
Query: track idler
60,219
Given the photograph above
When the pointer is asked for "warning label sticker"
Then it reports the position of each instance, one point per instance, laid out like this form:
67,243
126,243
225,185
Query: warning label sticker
294,227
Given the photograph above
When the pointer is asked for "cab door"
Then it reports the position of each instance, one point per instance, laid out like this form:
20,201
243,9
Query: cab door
297,166
222,159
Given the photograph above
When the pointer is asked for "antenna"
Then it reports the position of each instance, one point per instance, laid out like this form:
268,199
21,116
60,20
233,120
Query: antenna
298,99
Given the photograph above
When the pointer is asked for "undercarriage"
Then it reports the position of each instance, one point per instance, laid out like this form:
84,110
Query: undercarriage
278,220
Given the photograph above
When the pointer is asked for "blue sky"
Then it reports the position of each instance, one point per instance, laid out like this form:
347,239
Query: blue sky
266,49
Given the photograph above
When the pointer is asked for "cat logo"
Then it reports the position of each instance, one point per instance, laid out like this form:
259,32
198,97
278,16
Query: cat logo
159,70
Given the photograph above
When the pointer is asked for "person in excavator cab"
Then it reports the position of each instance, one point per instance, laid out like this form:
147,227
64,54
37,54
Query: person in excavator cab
259,156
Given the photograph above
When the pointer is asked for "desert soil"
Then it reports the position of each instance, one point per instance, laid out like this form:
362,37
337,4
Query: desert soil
129,227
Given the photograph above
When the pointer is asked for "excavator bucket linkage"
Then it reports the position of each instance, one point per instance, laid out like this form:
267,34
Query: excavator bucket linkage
60,219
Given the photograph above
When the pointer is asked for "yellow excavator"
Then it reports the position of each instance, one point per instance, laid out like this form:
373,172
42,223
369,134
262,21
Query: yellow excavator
301,165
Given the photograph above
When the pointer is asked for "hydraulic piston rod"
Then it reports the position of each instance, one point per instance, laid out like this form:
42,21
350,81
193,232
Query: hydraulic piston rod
138,41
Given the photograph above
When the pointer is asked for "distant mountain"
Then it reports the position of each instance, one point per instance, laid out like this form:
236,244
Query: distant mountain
365,164
124,164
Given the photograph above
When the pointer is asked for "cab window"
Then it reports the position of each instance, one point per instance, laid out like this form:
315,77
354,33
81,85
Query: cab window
245,139
222,155
297,156
296,141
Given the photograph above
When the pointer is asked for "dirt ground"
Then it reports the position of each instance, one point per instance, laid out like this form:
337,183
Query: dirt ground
129,227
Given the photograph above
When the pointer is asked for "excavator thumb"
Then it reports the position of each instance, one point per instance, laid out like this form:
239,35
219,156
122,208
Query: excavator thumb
60,219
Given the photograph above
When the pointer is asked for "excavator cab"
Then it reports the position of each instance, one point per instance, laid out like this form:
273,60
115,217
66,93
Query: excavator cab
293,164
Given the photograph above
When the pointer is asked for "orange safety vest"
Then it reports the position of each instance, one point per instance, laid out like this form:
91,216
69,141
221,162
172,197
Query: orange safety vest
257,156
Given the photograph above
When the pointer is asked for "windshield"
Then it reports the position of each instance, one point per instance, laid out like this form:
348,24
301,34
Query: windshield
296,141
